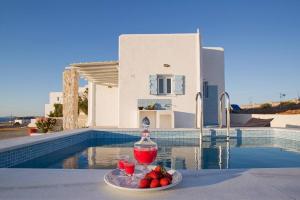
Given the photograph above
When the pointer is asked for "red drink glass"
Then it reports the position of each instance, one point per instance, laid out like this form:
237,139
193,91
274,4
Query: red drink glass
121,164
145,156
129,168
121,160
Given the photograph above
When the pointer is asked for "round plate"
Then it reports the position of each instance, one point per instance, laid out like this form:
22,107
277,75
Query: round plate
116,180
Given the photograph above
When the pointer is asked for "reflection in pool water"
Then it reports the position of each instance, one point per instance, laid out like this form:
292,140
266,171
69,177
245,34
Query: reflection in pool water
179,154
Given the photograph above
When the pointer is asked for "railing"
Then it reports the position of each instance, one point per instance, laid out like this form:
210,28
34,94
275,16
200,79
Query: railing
224,94
199,96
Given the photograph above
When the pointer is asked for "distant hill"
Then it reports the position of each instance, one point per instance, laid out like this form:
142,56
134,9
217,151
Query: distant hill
286,107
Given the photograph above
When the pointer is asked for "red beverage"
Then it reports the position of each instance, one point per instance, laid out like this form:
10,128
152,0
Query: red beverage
129,168
145,155
121,164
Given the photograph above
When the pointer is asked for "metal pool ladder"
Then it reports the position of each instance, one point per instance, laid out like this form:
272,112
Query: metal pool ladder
199,96
223,95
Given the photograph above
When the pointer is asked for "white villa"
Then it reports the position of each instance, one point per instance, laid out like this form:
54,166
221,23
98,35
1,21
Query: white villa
164,70
57,98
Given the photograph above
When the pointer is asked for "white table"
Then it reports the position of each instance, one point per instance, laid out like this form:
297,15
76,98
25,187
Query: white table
205,184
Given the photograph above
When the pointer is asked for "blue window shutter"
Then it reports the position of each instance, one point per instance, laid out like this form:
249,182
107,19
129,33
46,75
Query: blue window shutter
153,84
179,84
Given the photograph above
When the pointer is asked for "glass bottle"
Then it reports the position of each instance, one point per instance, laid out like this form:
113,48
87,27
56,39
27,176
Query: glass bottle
145,150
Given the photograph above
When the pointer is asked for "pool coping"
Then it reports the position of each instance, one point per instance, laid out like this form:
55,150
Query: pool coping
12,143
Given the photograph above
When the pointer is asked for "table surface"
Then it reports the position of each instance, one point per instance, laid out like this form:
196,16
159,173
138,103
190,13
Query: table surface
73,184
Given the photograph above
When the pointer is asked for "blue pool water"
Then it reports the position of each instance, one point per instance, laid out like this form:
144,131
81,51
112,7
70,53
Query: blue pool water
178,154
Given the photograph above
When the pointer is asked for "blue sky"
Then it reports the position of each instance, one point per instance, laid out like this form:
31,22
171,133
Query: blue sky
39,38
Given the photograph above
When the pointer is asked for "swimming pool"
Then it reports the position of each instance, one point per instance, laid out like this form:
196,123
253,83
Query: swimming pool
248,148
177,154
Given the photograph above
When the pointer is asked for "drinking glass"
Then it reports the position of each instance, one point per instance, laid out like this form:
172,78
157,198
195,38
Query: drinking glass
129,170
129,167
122,159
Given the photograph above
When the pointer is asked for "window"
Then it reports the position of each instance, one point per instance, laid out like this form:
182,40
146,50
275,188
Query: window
161,86
57,99
164,84
205,89
169,86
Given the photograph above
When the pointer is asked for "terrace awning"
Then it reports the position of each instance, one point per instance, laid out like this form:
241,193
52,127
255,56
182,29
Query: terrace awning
100,73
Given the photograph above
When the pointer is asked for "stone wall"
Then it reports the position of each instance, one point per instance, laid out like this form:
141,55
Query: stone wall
70,99
82,120
58,124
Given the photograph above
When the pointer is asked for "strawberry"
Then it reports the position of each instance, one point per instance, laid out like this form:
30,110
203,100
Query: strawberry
144,183
153,175
164,181
147,176
155,183
158,168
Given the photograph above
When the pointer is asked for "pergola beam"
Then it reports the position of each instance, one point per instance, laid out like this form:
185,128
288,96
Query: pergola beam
103,79
101,73
99,68
95,64
106,76
98,72
104,83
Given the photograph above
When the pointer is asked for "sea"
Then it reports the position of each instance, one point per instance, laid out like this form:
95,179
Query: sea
5,119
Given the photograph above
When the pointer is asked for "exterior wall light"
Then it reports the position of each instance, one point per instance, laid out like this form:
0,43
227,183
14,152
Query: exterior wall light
167,65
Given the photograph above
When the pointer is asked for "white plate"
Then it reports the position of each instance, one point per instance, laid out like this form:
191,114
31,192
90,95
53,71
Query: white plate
114,179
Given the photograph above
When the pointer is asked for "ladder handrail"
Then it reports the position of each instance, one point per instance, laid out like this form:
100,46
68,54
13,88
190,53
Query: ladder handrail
224,94
199,96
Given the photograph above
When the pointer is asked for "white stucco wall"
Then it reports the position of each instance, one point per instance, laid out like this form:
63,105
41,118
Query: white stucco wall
47,109
213,70
278,120
144,55
213,66
91,105
54,98
106,106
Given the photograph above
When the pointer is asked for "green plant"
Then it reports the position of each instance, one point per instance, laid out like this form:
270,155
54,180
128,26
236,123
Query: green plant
17,124
266,106
58,111
287,103
45,124
83,102
150,107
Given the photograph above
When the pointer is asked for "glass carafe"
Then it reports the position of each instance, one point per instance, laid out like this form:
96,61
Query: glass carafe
145,150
